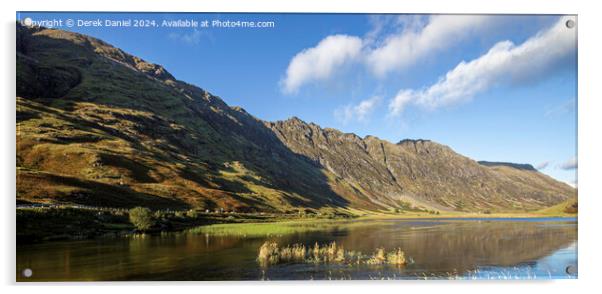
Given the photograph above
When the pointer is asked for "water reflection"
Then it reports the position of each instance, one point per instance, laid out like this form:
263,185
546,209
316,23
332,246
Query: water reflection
439,249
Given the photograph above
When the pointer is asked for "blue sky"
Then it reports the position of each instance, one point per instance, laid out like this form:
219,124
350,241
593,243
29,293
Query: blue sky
497,88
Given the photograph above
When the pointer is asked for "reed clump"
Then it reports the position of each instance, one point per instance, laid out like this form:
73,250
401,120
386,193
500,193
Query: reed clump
397,257
271,253
378,257
268,253
295,253
327,253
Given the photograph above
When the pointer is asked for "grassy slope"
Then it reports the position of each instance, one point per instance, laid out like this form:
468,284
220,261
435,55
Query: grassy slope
560,209
119,137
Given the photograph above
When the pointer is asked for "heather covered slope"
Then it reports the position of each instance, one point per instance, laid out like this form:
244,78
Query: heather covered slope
98,126
93,117
421,172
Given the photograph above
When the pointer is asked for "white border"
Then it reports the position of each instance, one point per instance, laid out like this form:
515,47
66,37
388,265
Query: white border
589,148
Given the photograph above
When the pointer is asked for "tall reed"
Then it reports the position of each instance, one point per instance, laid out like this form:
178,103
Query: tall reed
270,253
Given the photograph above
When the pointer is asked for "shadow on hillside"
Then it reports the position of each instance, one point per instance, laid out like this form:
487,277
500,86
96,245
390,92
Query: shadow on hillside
215,135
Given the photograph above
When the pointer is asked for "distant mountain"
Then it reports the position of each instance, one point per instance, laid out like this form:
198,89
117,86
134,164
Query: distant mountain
98,126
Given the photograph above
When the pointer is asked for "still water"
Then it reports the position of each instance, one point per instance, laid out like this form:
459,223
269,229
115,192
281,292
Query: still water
542,248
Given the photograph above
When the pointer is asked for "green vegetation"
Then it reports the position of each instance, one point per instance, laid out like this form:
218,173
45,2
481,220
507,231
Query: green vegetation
271,253
141,218
64,222
192,213
35,224
47,224
572,208
405,207
276,228
565,208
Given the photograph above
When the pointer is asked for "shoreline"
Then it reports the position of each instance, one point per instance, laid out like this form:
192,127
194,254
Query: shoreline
39,225
473,216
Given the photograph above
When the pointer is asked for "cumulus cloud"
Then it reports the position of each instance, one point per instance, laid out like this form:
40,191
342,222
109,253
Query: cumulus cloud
570,164
417,41
504,63
320,62
360,112
542,165
381,50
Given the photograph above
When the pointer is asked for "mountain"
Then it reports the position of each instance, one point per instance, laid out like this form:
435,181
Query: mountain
420,172
98,126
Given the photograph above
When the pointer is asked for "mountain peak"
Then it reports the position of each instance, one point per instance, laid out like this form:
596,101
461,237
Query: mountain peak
99,47
295,119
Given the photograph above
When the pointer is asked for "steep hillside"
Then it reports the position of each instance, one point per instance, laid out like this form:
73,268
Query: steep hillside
98,126
420,172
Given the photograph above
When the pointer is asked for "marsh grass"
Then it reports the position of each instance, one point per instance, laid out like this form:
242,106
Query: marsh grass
271,253
268,254
295,253
397,257
280,228
379,257
327,253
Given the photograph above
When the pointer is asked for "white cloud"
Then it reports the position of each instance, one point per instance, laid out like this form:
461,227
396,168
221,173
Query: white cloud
419,38
320,62
399,102
192,38
542,165
564,108
360,112
417,41
387,25
570,164
504,63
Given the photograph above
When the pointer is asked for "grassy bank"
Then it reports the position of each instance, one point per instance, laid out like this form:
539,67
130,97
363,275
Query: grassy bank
282,227
460,215
67,223
291,226
565,208
36,224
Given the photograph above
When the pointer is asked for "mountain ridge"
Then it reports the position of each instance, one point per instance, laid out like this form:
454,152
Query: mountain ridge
92,118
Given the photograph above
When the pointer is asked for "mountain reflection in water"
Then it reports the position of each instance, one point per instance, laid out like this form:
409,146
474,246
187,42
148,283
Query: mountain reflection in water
475,248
